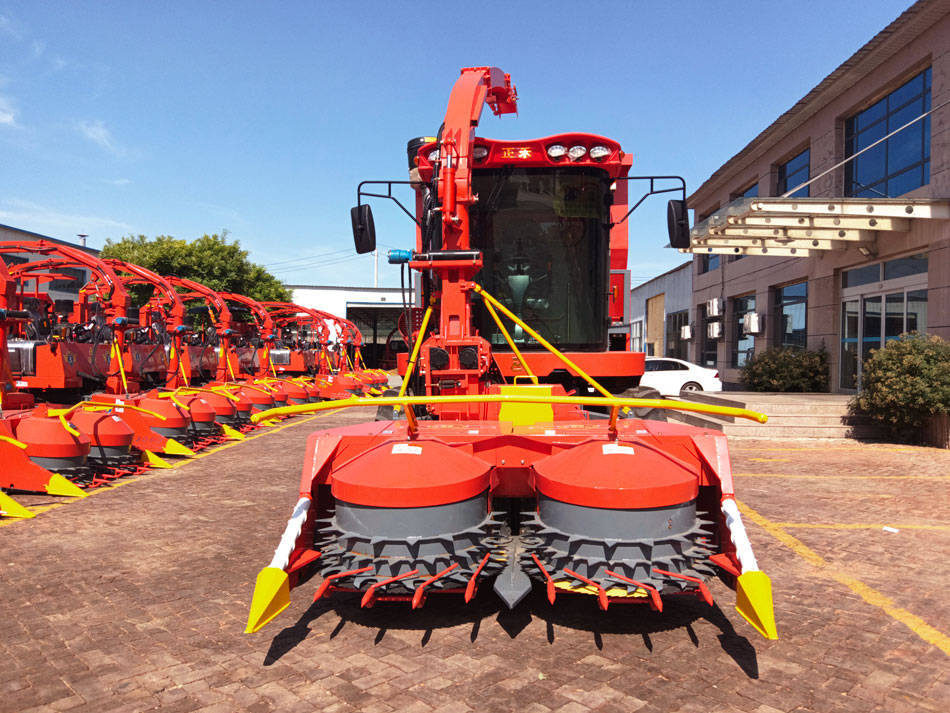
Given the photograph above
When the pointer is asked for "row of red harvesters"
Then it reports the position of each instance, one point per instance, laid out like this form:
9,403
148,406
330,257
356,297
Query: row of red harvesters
93,389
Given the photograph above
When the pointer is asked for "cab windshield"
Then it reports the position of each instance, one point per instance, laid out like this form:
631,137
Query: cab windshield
544,242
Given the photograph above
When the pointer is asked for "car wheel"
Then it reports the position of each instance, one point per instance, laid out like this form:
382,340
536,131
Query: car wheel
691,386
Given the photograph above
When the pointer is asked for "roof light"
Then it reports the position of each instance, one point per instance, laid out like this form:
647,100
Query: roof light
556,151
479,152
576,153
433,156
599,153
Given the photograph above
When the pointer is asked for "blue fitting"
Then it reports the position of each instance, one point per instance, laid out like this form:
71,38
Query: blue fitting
180,328
119,320
399,257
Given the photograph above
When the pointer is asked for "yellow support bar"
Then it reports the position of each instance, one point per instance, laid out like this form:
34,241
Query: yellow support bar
219,390
102,406
118,353
68,426
13,442
415,350
181,363
610,402
542,341
511,343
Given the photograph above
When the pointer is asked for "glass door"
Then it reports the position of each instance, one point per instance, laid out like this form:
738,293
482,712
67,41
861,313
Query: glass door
870,321
870,325
849,344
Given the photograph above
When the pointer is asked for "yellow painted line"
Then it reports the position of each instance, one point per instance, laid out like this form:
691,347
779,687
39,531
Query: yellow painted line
868,594
155,472
861,526
835,476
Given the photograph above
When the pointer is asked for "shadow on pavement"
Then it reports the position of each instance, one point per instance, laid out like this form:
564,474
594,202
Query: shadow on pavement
572,611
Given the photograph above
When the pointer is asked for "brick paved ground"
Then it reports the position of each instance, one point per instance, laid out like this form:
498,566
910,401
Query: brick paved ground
136,599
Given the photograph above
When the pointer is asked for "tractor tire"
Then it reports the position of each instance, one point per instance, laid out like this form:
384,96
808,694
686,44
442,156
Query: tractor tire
645,392
388,413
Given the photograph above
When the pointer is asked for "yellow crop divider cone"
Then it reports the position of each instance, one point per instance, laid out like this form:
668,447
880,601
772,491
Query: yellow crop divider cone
11,508
271,597
754,602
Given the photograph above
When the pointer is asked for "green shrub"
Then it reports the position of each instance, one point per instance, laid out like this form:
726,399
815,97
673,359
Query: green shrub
786,369
905,383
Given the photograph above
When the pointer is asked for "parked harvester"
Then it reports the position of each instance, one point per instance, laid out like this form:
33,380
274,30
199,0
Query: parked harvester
296,350
494,471
66,350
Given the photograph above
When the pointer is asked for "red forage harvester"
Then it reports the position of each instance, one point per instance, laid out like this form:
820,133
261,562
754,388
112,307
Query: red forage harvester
496,472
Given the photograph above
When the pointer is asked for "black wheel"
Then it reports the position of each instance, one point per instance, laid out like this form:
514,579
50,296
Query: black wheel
645,392
388,413
691,386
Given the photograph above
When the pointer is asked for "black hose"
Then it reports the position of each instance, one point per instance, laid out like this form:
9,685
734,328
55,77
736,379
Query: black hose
405,307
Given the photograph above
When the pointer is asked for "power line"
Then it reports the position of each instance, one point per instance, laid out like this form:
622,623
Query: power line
309,257
318,265
326,263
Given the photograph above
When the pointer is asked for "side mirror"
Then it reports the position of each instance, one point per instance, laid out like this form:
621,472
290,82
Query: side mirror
677,223
364,229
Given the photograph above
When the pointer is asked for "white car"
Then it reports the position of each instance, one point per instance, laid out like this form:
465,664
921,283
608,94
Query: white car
670,376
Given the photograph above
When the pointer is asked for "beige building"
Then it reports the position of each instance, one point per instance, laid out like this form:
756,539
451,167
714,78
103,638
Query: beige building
861,252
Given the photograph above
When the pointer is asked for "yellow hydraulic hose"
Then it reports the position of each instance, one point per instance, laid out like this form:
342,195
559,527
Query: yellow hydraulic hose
415,350
611,402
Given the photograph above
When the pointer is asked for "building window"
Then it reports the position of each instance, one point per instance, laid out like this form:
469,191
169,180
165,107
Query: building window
750,192
892,269
743,342
708,262
794,172
676,346
900,164
636,336
905,266
791,315
708,344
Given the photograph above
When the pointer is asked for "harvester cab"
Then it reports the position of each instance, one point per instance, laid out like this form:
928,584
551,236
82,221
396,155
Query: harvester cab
510,478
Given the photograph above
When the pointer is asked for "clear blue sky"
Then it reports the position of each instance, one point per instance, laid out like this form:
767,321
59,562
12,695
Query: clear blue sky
184,118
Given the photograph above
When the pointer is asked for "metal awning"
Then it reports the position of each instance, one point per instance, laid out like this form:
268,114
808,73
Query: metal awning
803,227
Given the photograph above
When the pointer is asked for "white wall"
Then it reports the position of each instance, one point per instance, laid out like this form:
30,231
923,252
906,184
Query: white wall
677,285
335,299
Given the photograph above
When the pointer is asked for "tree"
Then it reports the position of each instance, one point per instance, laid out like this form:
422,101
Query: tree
211,260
